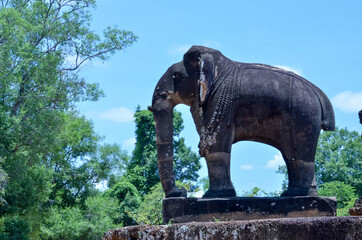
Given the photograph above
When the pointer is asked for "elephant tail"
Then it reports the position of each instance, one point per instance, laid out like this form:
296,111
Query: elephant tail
328,120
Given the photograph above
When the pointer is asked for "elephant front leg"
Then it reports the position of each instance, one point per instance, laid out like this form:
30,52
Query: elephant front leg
218,164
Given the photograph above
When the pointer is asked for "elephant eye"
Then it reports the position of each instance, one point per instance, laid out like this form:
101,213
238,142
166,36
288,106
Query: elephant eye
175,75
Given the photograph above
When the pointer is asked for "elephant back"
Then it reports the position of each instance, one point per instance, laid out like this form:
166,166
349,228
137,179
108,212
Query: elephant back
328,119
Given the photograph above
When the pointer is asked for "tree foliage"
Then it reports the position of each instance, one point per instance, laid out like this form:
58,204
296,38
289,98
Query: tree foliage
150,210
205,183
76,223
338,158
344,193
139,190
80,161
43,43
50,155
283,170
3,181
129,200
15,228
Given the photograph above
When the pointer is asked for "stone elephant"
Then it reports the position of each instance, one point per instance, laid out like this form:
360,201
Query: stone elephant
232,101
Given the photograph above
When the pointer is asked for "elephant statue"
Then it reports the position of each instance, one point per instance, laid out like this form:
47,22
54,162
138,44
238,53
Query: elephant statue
232,101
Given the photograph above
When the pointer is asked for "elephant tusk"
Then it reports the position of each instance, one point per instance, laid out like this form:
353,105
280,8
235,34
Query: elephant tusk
203,90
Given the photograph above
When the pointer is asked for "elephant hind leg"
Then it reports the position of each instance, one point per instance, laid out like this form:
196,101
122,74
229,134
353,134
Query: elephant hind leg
302,182
218,164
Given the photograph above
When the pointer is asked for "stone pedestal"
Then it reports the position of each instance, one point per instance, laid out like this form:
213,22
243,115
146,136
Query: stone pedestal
180,210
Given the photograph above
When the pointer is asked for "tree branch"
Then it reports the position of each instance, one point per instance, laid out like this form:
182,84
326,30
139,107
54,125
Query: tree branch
21,97
4,4
25,3
89,57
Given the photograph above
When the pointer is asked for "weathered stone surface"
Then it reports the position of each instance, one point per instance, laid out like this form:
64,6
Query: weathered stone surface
285,228
357,208
179,210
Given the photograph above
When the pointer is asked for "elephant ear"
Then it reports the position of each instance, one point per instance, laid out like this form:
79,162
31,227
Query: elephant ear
206,79
200,65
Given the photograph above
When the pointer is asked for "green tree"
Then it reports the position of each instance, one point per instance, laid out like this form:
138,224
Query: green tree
255,192
43,46
338,158
100,213
76,223
344,193
258,192
150,210
67,179
80,161
142,170
64,223
283,170
128,198
15,228
3,180
205,183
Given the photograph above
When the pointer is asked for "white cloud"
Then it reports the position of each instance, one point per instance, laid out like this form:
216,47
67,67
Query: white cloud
179,49
348,101
288,68
246,167
275,162
197,194
119,115
130,142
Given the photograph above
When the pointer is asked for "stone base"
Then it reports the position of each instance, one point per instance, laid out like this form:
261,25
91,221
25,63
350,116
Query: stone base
180,210
283,228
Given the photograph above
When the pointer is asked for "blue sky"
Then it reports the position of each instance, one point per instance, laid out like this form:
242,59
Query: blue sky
320,40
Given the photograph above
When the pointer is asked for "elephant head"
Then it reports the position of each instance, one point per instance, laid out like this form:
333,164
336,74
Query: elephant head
189,81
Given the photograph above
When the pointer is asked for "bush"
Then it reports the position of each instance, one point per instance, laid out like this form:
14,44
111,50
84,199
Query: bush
75,223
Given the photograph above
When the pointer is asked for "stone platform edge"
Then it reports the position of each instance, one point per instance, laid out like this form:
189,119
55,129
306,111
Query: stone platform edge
282,228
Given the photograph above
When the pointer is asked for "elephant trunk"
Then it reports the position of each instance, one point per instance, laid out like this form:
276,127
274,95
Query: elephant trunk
163,115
